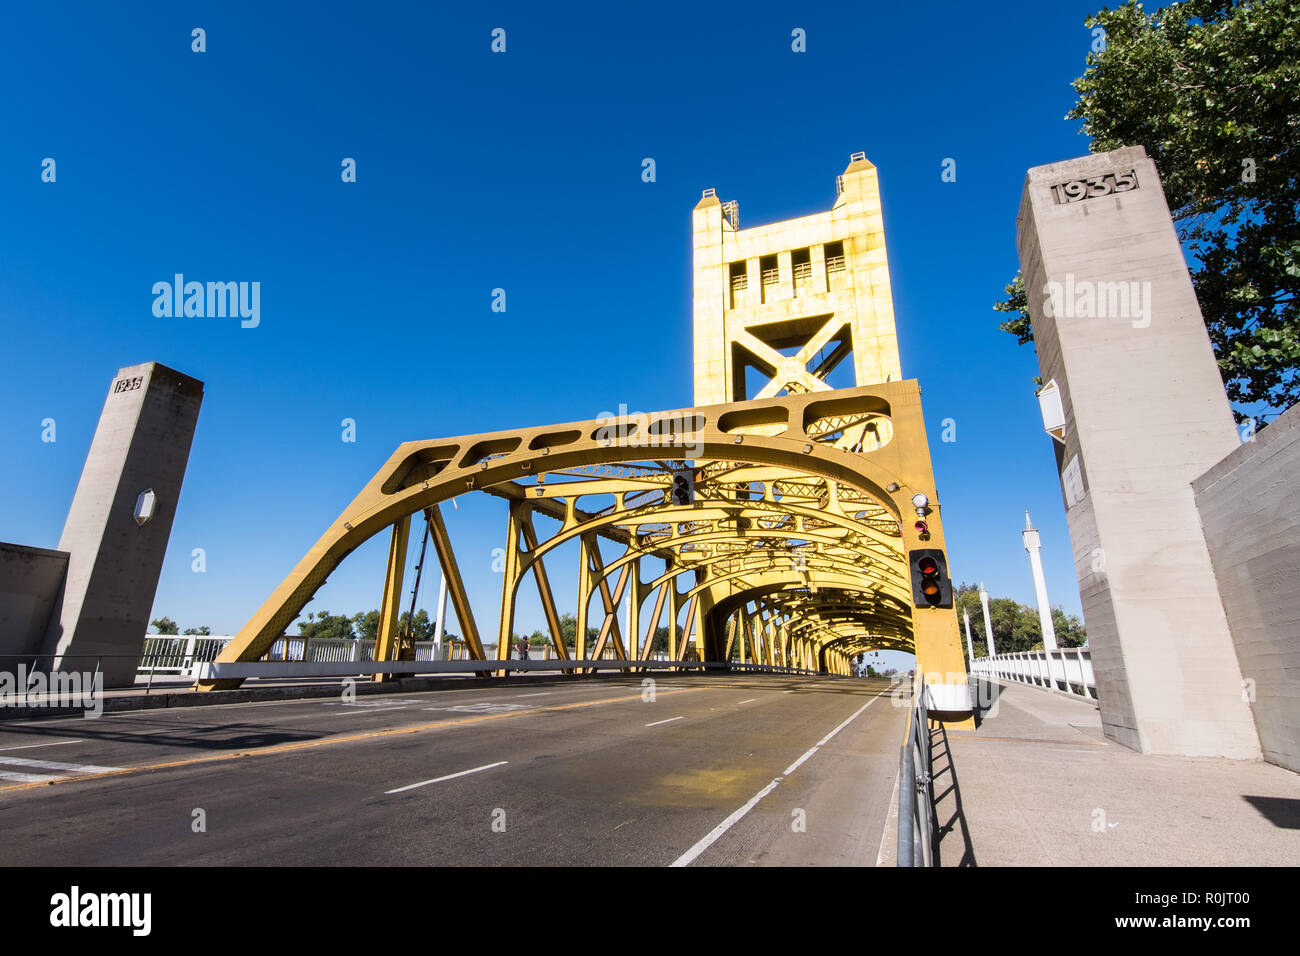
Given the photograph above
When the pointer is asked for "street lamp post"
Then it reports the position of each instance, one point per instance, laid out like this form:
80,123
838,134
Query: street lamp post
988,625
970,646
1034,545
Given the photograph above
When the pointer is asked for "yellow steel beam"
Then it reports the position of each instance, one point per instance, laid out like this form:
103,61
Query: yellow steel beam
544,590
455,586
390,604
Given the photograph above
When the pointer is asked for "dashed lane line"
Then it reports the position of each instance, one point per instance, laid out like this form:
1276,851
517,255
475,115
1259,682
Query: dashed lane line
57,743
450,776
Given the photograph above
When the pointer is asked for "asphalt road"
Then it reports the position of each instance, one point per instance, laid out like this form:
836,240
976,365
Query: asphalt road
751,770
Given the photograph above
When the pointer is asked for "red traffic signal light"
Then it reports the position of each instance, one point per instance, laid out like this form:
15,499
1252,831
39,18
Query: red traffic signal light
931,586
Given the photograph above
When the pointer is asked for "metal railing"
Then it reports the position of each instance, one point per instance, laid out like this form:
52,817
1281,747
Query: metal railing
194,656
1068,670
242,670
731,209
167,654
915,798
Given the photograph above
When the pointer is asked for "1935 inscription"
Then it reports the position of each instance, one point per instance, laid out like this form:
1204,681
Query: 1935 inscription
127,384
1080,189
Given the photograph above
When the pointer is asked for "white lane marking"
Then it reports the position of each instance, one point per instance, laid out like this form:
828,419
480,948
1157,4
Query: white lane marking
384,702
795,766
690,855
750,701
450,776
359,710
26,777
545,693
30,746
55,765
481,708
668,721
890,818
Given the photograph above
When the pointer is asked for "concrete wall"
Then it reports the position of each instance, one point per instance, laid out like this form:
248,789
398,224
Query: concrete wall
1250,513
30,580
1145,414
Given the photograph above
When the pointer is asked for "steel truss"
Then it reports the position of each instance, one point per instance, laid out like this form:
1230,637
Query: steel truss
793,552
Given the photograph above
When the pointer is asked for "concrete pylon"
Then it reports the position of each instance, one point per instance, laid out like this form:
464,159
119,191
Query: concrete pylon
970,645
1136,409
120,521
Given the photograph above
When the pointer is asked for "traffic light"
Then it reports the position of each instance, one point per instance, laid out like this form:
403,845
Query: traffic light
683,488
931,586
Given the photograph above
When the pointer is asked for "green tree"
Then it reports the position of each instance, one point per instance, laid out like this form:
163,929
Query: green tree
323,625
1018,307
659,643
1211,89
202,631
164,625
365,624
421,627
1069,629
569,630
1016,626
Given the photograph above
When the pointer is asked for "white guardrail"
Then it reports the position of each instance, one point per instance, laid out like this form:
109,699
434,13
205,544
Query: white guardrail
167,654
1068,670
194,657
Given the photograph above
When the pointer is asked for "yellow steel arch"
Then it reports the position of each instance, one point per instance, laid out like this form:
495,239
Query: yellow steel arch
799,450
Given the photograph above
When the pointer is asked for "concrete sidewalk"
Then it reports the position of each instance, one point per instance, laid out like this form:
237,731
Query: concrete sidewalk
1037,784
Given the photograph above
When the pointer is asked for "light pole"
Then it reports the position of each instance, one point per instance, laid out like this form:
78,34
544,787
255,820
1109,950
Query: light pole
970,646
441,619
988,625
1034,545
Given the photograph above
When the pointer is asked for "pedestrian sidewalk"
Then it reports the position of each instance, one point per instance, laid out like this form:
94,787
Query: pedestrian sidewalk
1037,784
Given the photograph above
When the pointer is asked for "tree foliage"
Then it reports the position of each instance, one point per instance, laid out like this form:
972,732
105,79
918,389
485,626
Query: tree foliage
324,625
164,625
1211,89
1016,626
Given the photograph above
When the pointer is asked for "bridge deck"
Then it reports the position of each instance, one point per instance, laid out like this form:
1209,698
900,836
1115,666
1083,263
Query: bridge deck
577,772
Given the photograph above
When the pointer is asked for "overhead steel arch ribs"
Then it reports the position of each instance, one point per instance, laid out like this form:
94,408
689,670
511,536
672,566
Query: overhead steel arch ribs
793,552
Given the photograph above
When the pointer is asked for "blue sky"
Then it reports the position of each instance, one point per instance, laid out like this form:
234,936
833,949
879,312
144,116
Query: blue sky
476,171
